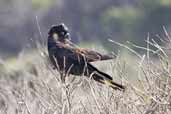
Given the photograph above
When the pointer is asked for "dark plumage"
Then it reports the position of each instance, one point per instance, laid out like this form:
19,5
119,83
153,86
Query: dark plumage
72,60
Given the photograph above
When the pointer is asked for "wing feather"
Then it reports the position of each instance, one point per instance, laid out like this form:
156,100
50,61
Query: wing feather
92,55
84,54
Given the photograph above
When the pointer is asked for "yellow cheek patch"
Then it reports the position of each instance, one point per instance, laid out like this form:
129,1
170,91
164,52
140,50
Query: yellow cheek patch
55,36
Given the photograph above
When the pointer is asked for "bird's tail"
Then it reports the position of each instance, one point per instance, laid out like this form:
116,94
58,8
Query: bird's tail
104,78
107,80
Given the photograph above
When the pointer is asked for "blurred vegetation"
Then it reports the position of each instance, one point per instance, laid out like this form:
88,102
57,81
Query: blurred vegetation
133,23
89,21
41,3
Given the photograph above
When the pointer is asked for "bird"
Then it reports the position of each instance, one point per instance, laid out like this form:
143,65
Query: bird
70,59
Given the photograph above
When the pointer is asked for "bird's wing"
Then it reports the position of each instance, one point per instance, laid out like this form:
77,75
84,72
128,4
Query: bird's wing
80,54
92,55
69,52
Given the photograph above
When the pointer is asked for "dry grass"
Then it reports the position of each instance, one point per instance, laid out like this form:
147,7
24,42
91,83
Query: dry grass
33,87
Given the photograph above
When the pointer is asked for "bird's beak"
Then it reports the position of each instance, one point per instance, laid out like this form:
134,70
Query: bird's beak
67,36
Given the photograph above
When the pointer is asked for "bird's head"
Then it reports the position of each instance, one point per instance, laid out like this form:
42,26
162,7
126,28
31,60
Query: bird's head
59,32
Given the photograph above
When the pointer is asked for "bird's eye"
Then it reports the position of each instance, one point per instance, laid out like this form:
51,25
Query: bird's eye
55,36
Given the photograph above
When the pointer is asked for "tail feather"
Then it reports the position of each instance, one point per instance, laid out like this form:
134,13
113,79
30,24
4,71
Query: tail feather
114,85
102,79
